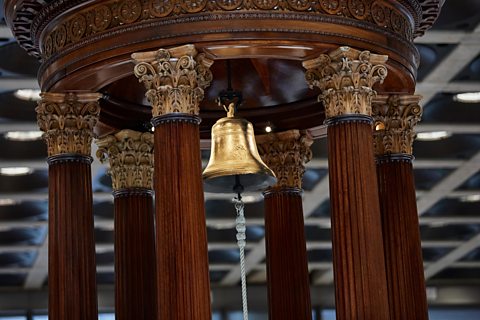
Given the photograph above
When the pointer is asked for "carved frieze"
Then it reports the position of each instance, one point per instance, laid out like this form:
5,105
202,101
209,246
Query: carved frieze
175,79
130,154
286,153
346,77
68,120
395,119
110,14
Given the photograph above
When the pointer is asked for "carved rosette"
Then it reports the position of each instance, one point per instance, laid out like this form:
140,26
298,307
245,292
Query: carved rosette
130,154
68,120
346,77
175,79
286,153
395,119
398,17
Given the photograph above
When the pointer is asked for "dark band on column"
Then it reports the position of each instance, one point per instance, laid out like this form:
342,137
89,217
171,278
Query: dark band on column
176,117
398,157
132,192
274,191
69,157
356,118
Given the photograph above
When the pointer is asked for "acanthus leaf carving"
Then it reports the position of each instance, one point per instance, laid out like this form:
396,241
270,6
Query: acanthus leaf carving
175,79
286,153
395,119
346,77
130,154
67,121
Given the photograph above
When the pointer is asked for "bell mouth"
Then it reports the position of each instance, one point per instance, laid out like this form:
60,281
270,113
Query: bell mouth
250,182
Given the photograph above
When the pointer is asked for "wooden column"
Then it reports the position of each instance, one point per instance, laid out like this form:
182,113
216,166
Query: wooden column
130,154
345,77
287,265
175,79
395,117
68,121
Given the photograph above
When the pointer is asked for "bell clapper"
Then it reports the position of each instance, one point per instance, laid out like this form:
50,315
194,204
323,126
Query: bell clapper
241,241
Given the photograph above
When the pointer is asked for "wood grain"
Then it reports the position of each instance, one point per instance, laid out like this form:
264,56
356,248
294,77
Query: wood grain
401,236
182,256
135,263
358,257
71,246
287,265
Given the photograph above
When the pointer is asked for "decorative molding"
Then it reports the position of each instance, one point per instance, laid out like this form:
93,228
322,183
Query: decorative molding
106,15
346,77
175,79
130,154
68,120
348,118
430,13
395,118
286,153
69,158
94,49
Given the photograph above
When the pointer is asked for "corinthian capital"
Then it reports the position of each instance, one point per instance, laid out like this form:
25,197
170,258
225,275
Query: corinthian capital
175,79
395,118
286,154
346,77
68,120
130,154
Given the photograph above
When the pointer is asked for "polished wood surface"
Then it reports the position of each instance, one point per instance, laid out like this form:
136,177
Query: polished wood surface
286,256
71,245
401,238
182,255
87,45
358,257
135,264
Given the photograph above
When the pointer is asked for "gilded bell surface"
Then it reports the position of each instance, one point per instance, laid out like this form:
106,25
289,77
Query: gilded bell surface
234,155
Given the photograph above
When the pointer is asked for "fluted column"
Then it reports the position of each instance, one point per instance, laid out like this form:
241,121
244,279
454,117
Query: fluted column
175,80
68,121
345,77
287,265
130,154
395,118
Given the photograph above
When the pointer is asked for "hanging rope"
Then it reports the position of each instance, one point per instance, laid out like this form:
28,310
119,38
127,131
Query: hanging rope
241,241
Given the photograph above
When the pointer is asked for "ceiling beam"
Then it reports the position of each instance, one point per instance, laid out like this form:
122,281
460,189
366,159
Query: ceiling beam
227,298
453,256
226,223
468,48
14,83
427,200
310,202
448,184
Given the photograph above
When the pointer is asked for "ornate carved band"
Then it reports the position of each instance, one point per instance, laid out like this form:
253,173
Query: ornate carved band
133,192
176,117
286,154
130,154
392,158
395,118
105,15
69,157
68,120
349,118
346,77
175,79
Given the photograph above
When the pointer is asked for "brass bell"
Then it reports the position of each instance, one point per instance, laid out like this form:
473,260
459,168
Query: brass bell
234,161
